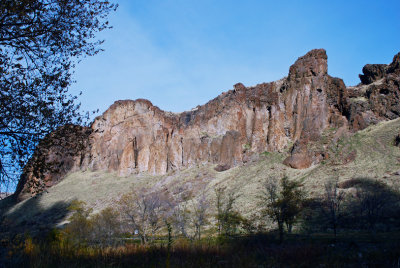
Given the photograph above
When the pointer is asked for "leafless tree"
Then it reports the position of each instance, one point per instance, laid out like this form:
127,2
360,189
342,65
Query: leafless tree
373,201
199,215
181,219
228,219
145,212
333,202
190,217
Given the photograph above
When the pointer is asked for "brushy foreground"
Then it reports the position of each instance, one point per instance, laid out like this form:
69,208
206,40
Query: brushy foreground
261,250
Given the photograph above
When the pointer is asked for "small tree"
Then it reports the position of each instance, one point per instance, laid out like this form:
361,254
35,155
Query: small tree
80,227
106,226
228,219
333,200
294,198
283,203
181,219
199,215
145,212
373,202
190,222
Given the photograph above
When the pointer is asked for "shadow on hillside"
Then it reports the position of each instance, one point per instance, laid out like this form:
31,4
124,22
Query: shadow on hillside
29,216
369,204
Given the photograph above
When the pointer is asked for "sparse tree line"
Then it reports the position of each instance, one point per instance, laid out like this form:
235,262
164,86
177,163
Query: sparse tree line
145,215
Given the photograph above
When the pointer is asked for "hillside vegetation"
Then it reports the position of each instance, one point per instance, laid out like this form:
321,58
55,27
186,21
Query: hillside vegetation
81,221
375,157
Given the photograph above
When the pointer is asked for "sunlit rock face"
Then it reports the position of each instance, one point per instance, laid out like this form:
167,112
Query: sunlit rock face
135,136
285,115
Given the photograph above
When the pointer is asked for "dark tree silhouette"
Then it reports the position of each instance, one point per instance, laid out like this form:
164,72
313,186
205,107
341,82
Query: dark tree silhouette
373,203
40,43
333,203
282,202
228,218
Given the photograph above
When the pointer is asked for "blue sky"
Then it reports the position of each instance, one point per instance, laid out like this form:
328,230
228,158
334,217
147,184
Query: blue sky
182,53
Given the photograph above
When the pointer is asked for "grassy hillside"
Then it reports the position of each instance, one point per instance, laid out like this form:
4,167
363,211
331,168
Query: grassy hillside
368,153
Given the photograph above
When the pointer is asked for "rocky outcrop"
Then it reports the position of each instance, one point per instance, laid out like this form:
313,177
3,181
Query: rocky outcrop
60,152
377,97
372,73
375,72
136,136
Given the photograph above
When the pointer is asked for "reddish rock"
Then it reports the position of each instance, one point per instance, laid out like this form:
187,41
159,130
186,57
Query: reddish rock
300,157
376,99
394,67
372,73
57,154
221,168
136,136
314,63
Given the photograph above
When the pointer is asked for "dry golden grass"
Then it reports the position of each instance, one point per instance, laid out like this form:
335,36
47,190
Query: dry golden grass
377,158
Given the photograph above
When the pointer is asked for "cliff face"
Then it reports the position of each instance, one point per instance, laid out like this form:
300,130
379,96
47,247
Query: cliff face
135,136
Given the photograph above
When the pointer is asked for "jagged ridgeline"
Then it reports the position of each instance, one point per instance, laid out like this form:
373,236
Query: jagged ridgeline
288,116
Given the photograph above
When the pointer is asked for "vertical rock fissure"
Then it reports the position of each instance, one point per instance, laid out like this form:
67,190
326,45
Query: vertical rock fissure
182,150
118,160
269,125
167,168
253,125
167,147
135,152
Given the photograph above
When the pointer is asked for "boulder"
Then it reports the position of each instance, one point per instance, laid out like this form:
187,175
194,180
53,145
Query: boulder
300,157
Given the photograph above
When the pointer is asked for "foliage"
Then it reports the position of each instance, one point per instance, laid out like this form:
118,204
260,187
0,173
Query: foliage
282,204
106,227
40,43
189,218
357,204
374,203
80,227
259,250
352,247
101,229
228,219
145,212
246,146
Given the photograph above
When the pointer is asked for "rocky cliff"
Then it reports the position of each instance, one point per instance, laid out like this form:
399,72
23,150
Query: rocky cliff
282,116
